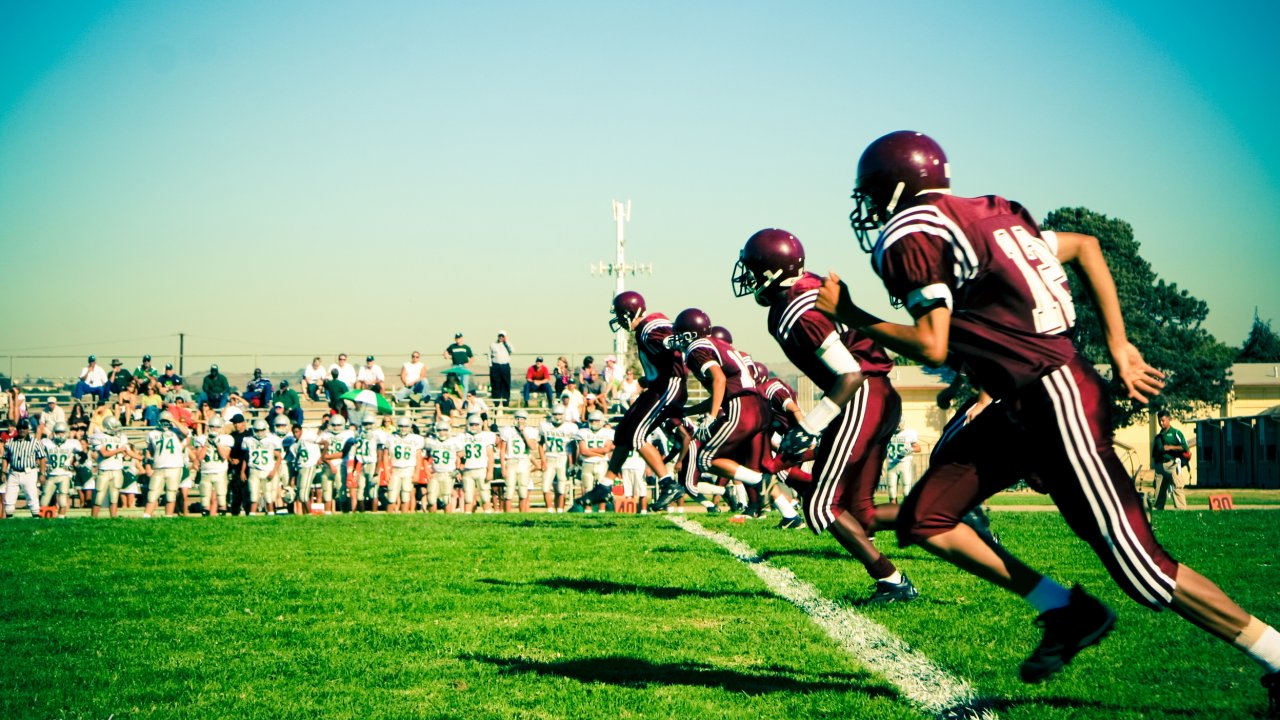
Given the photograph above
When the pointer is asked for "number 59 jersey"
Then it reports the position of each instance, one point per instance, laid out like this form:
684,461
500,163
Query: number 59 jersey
985,259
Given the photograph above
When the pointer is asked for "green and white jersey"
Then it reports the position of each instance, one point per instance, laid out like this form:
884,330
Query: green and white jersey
633,461
61,457
405,450
443,454
103,441
167,448
262,453
212,462
335,443
556,438
308,449
516,443
474,456
595,440
900,445
367,446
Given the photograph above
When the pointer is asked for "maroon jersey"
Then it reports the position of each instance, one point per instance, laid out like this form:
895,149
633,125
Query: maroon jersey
986,259
658,361
759,371
801,331
705,352
778,392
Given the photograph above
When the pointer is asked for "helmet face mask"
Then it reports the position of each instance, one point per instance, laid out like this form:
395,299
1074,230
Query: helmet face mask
893,169
557,414
260,429
521,418
596,420
767,260
688,326
441,430
281,426
403,426
61,432
627,306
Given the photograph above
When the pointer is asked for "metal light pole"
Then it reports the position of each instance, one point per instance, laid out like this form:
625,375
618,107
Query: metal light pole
619,268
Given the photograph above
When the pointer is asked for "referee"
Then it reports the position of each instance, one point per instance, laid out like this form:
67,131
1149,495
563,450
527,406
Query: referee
24,457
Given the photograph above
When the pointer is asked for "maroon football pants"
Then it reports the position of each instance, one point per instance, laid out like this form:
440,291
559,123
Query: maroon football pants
662,400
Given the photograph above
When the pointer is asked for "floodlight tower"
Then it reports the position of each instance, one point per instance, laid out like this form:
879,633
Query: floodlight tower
619,269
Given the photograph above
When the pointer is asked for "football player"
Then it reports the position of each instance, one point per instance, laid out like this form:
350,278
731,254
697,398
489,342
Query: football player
445,454
899,470
264,458
849,428
557,435
664,388
166,452
307,444
211,453
364,464
404,449
62,453
284,484
477,465
987,292
595,445
333,446
111,448
784,413
514,443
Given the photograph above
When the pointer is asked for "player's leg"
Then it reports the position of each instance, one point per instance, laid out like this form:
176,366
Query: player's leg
469,478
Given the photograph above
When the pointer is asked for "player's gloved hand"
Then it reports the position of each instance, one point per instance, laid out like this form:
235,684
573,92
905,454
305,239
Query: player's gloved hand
703,431
797,442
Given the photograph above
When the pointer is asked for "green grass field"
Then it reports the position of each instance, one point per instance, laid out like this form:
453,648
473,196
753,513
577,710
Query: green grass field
566,617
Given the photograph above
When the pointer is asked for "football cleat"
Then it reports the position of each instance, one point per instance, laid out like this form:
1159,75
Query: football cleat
1272,684
794,523
669,490
887,592
1067,630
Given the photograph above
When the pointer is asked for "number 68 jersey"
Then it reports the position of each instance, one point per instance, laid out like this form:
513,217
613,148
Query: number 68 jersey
986,259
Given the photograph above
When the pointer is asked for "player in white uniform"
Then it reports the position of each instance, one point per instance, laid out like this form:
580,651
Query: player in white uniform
307,454
111,448
477,465
404,449
333,446
166,452
557,436
284,483
365,463
265,456
444,455
515,443
634,486
595,446
898,469
61,453
210,453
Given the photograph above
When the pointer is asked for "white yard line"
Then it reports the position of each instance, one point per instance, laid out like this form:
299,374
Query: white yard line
935,690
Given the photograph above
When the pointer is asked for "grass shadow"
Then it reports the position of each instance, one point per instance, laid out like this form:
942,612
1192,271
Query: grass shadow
637,673
607,587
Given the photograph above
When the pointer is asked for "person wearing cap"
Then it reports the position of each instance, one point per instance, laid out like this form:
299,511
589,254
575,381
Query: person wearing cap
178,390
288,397
537,379
459,353
237,481
145,373
216,388
371,377
413,379
120,377
25,464
258,390
50,418
93,381
168,378
500,370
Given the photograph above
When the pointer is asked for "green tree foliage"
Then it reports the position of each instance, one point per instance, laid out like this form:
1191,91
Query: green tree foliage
1262,345
1163,321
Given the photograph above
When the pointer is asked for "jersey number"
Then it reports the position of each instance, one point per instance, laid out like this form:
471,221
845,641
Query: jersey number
1053,312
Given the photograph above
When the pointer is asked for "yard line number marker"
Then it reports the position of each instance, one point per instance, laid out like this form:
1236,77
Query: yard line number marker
934,690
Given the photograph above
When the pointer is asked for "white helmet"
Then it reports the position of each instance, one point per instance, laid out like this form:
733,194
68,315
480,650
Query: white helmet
442,428
166,419
368,420
111,425
337,423
60,432
216,423
281,424
557,413
403,425
474,420
596,419
521,418
260,428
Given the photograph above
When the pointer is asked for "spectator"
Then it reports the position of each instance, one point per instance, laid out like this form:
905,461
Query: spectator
628,391
475,405
51,416
145,374
589,380
459,353
334,389
200,418
612,373
236,405
93,381
346,371
277,411
500,370
128,402
371,376
561,374
180,409
168,378
17,406
258,391
537,379
449,405
216,388
1168,449
79,418
315,377
413,379
288,397
119,377
573,401
176,390
152,404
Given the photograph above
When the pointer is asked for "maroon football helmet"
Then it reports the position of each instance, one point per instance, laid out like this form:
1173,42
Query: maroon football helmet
688,326
627,306
721,332
769,257
892,169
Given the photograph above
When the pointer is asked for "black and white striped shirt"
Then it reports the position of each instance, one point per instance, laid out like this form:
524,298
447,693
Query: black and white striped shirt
23,455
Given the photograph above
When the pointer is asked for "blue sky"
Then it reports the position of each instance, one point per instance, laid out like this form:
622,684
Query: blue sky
313,178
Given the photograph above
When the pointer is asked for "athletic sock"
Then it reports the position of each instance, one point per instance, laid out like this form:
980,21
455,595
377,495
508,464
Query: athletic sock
785,506
747,475
1260,642
881,568
1048,595
895,578
710,489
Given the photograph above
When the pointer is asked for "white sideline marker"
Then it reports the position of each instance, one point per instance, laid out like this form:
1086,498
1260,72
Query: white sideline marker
936,691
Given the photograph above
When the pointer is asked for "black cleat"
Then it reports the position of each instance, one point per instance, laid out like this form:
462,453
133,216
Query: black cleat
794,523
668,492
1272,684
887,592
1067,631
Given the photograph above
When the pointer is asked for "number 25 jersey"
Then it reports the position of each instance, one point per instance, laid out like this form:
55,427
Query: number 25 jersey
987,260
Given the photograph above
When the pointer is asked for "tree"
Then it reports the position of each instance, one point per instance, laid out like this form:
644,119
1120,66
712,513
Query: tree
1262,345
1163,321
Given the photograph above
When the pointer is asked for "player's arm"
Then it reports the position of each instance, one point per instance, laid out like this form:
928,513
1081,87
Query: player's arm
1085,253
713,378
924,341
